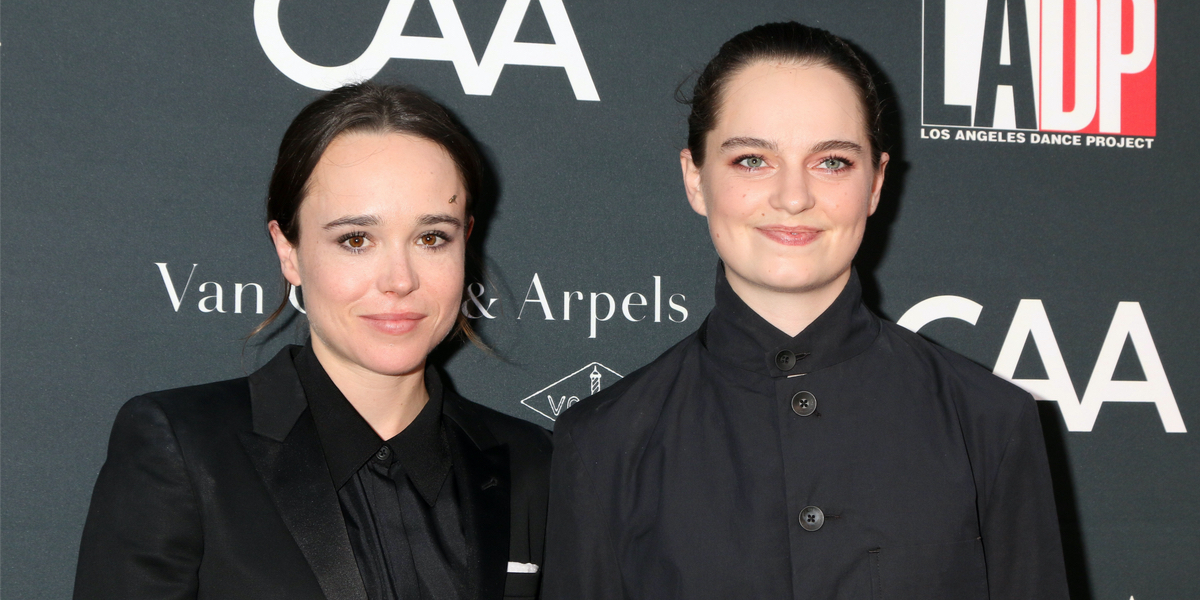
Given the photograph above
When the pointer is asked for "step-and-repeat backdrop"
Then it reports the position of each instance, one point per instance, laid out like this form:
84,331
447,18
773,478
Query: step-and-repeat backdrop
1040,216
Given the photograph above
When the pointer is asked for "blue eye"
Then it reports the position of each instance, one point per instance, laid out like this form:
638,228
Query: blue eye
834,164
752,162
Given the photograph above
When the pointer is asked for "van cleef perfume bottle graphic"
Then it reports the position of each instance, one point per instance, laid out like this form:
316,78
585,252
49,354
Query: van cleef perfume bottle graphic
553,399
595,379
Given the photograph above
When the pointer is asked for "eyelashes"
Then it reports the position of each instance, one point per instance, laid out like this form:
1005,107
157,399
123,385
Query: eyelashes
355,241
358,241
831,163
433,240
752,162
835,164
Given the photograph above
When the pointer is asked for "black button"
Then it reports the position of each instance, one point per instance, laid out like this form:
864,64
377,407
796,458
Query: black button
811,518
804,403
785,360
384,452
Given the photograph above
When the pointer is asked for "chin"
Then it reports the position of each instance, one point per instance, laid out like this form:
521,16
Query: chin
789,279
392,361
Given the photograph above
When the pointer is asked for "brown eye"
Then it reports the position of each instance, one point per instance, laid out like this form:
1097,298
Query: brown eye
356,241
429,239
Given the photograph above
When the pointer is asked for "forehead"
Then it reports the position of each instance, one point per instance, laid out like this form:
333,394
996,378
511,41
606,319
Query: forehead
789,101
381,172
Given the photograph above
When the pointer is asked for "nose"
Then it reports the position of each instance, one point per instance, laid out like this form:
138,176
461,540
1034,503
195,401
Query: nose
793,194
396,273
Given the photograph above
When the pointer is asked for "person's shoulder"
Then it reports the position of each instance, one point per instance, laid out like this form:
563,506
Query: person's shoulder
631,403
973,386
216,404
507,429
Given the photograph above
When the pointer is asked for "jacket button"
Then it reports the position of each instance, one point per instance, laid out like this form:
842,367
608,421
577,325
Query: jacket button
384,452
811,518
785,360
804,403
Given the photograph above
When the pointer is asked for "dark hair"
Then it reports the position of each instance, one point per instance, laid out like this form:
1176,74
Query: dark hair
789,41
362,107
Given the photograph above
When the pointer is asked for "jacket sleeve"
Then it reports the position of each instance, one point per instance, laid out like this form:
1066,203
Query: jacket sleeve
581,563
143,537
1021,538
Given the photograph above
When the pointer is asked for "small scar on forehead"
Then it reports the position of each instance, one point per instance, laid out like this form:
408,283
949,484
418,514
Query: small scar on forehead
453,198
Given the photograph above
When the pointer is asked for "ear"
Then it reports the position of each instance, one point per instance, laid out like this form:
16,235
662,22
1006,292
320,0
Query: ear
691,182
877,185
289,262
470,227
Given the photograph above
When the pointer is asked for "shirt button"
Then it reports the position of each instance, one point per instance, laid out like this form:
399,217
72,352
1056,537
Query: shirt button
785,360
384,452
804,403
811,518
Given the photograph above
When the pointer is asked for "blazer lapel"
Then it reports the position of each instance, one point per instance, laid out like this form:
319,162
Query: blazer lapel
486,481
286,451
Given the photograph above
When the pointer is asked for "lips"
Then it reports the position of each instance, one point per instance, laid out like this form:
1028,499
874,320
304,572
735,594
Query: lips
393,323
790,236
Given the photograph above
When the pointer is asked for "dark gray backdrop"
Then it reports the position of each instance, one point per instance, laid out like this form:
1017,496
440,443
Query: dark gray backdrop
138,133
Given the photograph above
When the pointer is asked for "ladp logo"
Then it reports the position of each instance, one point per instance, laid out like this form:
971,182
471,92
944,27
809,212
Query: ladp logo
477,78
1075,66
553,399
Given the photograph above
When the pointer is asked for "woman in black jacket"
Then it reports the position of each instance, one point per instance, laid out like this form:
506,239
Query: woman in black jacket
796,445
343,468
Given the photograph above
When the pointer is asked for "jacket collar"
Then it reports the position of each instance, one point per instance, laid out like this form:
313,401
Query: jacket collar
738,335
276,396
286,450
485,483
349,441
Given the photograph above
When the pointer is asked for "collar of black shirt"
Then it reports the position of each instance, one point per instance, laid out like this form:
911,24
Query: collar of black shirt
349,442
736,334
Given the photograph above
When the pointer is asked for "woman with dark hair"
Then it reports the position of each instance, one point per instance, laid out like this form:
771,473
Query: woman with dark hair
344,468
796,445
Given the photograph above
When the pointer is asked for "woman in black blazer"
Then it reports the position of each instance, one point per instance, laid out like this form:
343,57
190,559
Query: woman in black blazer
343,468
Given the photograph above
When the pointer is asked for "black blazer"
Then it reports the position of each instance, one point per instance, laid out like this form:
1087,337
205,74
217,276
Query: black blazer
222,491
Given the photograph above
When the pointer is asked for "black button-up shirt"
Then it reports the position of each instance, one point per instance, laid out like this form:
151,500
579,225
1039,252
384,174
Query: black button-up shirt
854,460
399,501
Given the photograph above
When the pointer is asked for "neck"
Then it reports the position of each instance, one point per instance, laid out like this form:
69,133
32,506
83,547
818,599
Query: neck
388,403
789,311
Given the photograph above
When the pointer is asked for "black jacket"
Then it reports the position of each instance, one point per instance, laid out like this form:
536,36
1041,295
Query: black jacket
222,491
855,460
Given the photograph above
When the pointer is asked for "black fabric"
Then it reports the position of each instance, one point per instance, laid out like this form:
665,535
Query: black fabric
687,479
405,526
223,491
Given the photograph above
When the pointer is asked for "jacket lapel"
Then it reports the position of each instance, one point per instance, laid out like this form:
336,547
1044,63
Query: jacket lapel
485,479
286,451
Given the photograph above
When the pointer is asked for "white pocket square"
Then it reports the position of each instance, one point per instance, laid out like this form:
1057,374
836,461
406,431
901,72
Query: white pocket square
515,567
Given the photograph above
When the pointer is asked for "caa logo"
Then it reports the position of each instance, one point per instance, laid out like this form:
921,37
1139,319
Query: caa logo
477,79
551,400
1031,321
1073,66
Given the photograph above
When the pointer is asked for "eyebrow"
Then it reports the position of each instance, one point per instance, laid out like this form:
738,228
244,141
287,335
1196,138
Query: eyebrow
439,219
356,220
751,142
826,146
845,145
373,220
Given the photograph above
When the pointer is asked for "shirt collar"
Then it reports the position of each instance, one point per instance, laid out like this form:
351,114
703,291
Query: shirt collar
737,334
349,442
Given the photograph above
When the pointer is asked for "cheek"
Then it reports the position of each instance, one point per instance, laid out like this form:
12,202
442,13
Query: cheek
443,280
330,283
849,206
730,206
